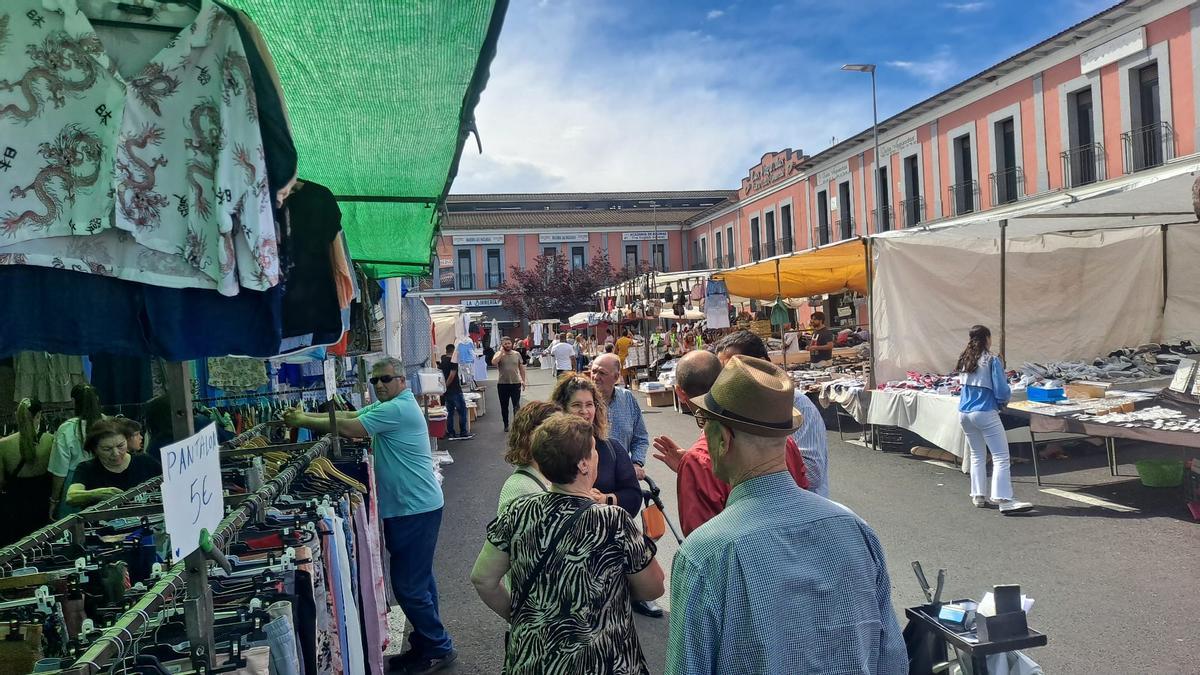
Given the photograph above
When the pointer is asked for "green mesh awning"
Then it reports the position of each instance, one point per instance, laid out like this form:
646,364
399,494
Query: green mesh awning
381,94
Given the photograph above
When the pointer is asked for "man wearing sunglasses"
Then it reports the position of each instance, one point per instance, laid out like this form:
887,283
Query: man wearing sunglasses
410,503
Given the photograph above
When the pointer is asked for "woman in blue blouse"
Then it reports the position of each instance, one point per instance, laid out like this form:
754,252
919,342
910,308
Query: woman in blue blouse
984,391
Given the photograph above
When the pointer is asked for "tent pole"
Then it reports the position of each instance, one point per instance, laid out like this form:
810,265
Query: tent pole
778,298
1164,271
1003,288
869,245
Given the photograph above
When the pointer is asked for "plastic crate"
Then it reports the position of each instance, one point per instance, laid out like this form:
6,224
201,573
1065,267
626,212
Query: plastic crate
1045,395
1161,472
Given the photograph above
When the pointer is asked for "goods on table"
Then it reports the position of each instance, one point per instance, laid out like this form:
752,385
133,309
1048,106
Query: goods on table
1143,362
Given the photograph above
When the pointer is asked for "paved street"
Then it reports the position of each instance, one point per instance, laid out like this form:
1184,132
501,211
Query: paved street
1115,591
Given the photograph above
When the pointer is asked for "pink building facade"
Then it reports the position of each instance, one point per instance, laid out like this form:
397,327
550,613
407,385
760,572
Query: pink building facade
1111,96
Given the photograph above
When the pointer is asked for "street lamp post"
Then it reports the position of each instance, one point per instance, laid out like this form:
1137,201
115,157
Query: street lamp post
870,68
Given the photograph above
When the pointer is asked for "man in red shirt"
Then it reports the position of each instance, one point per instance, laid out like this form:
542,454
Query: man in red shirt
701,494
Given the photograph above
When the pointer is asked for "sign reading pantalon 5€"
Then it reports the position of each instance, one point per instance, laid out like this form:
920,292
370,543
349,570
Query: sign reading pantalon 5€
191,489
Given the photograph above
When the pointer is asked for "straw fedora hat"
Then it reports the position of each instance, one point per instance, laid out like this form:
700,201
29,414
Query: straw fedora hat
753,395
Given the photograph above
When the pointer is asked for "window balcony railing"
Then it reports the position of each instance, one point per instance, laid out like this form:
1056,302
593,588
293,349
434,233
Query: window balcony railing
493,281
1007,186
730,261
755,253
1149,146
846,226
913,209
1083,165
466,282
882,218
823,234
700,264
964,197
784,246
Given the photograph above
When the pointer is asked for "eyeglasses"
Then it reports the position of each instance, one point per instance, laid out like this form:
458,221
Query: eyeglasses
386,379
701,418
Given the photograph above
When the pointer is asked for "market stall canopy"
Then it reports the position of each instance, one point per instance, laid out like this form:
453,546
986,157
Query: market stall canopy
831,269
688,315
677,281
381,97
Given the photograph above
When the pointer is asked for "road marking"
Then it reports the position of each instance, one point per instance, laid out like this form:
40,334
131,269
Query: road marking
938,462
1089,500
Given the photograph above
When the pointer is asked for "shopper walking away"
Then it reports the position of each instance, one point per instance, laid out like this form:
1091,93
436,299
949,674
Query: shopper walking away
563,354
580,355
813,454
573,565
616,482
985,391
24,480
455,403
836,614
511,379
820,347
526,479
701,494
623,345
68,447
410,504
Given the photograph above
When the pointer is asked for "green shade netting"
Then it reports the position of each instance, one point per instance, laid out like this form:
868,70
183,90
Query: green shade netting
380,93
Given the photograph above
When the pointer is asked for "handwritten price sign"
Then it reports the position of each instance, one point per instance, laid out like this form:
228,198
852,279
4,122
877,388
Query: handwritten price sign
191,489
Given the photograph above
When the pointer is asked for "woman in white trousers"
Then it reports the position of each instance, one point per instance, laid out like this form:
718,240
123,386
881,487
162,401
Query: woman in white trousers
984,391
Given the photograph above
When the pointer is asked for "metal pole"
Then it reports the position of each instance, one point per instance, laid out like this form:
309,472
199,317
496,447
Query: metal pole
869,246
1003,288
878,160
779,298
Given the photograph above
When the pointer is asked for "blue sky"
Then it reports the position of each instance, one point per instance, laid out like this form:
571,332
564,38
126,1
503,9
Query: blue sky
680,94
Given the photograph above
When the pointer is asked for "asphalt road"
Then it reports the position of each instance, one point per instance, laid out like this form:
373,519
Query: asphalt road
1116,592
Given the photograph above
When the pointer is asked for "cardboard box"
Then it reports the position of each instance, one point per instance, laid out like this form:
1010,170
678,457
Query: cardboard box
660,399
1084,390
795,357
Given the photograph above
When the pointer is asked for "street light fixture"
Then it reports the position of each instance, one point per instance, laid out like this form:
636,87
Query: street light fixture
870,68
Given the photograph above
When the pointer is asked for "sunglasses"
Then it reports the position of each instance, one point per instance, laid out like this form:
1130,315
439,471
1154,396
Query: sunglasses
386,379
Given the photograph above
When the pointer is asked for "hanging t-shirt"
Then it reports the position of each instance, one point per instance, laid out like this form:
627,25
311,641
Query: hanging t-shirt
310,298
145,164
479,369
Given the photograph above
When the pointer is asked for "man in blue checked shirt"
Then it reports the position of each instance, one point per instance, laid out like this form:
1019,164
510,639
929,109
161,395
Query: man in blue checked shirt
782,582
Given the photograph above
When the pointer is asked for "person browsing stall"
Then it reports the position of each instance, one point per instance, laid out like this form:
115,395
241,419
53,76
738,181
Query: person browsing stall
112,469
68,453
623,345
456,403
410,504
821,345
511,380
526,479
573,565
625,422
700,493
563,354
782,582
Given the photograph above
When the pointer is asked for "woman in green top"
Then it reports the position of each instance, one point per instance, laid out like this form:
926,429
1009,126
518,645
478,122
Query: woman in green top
68,447
526,479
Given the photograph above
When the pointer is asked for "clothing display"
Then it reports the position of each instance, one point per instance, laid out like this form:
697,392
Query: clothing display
310,298
147,198
234,374
46,377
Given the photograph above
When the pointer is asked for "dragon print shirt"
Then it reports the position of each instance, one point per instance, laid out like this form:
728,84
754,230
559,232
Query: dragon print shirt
124,158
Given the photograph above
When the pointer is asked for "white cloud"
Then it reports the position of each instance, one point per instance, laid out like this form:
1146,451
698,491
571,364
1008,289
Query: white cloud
715,14
966,7
938,71
682,111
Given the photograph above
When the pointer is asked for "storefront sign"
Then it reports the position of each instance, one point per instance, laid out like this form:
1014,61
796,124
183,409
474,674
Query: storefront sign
472,239
895,145
643,236
572,238
482,302
1112,51
191,489
837,173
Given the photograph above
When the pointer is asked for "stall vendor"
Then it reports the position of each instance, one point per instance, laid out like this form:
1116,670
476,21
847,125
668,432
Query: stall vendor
111,470
821,345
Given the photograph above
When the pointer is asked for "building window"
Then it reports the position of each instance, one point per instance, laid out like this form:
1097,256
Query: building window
718,261
550,251
755,241
883,210
785,222
494,270
1146,142
703,253
1007,180
769,244
822,218
577,257
659,255
964,191
913,206
729,247
466,271
631,257
1083,161
845,211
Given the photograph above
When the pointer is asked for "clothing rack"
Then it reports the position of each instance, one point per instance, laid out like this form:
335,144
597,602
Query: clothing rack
191,576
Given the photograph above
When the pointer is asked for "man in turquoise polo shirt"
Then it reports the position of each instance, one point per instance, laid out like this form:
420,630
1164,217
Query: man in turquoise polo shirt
410,503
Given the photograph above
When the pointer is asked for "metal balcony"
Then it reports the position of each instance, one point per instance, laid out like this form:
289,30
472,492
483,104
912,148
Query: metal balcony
1149,146
1007,186
1083,165
964,197
846,226
784,246
882,218
913,210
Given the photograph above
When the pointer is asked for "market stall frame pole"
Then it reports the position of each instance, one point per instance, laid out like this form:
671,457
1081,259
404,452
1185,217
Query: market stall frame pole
1003,288
869,251
779,298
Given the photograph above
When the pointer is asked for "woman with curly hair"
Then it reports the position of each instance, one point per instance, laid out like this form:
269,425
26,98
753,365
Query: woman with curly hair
616,480
526,478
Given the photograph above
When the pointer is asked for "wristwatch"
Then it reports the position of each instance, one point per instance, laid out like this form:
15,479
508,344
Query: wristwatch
610,500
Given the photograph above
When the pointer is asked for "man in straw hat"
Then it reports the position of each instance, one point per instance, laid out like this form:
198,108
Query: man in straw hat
782,581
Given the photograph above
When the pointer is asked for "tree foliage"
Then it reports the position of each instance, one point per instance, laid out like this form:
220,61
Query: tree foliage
551,289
